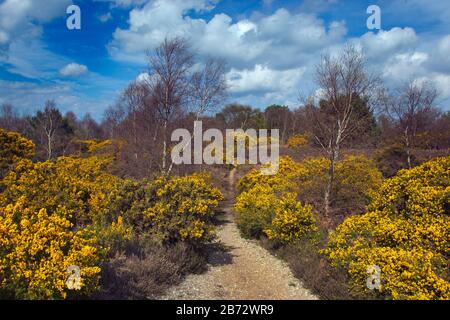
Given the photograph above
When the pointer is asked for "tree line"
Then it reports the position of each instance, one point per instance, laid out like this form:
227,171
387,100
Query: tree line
351,110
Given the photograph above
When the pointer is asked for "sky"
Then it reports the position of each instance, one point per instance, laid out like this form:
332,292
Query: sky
271,46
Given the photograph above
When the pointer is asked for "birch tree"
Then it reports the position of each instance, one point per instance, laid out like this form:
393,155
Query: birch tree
341,81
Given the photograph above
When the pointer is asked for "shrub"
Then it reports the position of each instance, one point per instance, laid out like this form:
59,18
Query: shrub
36,249
298,140
281,218
255,210
281,181
292,221
405,233
13,147
356,179
79,185
177,209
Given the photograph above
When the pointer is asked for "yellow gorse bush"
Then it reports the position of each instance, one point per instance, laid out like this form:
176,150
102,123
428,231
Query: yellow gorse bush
405,232
178,208
79,185
267,204
281,181
13,148
255,210
37,248
280,217
356,180
297,140
292,220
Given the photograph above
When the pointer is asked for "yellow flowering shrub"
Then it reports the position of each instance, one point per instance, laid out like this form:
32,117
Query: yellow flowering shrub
255,210
177,208
405,232
79,185
281,181
113,237
292,220
297,140
261,210
356,179
36,250
92,146
13,147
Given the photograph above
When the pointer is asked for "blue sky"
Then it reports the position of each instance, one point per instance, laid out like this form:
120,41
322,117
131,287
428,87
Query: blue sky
271,46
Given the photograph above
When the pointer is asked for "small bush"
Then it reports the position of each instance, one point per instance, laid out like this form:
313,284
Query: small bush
13,147
292,221
255,210
177,209
282,218
298,140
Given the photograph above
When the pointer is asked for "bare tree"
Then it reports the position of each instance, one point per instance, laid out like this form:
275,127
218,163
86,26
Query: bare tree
342,81
114,115
278,117
410,108
9,119
207,90
134,97
168,82
208,87
47,123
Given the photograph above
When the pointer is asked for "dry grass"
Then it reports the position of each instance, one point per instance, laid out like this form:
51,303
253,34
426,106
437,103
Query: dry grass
145,271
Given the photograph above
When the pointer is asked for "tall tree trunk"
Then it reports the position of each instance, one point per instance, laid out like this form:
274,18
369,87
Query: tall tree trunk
49,147
164,147
334,156
408,147
329,186
135,135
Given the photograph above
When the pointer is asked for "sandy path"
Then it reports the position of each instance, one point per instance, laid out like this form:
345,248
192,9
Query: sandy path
242,269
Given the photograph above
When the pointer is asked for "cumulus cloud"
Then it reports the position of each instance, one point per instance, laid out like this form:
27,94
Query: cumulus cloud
17,15
405,66
265,53
279,37
385,42
73,70
262,78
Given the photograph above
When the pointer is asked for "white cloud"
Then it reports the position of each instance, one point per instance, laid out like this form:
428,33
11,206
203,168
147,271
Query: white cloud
440,81
405,66
73,70
279,37
18,15
262,78
383,43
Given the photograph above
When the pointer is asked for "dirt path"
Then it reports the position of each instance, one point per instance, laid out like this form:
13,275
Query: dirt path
242,269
